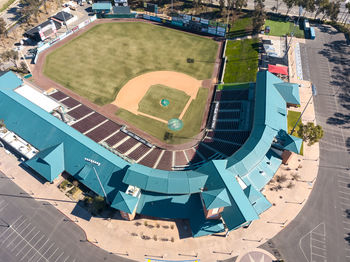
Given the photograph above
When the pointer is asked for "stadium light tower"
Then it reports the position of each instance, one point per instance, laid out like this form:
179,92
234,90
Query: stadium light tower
93,162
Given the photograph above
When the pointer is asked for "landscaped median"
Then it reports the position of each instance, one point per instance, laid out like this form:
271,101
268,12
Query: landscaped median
292,119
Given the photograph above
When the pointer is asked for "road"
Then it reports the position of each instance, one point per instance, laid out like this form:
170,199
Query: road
321,231
38,232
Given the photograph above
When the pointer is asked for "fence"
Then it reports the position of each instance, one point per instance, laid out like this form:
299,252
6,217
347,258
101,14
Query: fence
63,36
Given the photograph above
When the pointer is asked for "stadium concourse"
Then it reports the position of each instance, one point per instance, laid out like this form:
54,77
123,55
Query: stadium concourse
217,194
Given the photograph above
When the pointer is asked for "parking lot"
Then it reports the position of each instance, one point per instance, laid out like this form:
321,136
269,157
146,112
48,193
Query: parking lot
35,231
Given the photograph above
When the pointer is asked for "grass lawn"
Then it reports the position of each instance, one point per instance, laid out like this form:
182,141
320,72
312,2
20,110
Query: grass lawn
292,118
99,62
192,121
150,103
242,61
241,27
233,86
281,28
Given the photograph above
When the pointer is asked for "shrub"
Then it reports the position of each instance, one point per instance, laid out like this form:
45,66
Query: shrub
98,204
88,200
290,185
281,178
63,185
155,238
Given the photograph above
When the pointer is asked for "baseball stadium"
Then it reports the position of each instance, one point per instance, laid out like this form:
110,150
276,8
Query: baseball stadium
132,110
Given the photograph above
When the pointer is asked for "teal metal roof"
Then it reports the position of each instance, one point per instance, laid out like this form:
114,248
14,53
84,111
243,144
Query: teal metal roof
165,194
261,205
200,226
23,117
240,209
293,144
270,116
252,194
49,162
125,202
101,6
168,206
167,182
289,91
215,198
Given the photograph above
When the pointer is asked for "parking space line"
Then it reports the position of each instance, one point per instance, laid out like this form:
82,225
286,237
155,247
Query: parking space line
27,244
314,239
47,240
313,246
23,237
59,256
52,254
22,240
2,208
52,244
65,259
10,226
346,193
318,255
30,249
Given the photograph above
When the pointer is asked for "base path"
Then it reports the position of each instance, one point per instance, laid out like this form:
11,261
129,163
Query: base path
131,94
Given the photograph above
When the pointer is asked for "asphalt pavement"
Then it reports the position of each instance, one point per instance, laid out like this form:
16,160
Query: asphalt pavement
35,231
321,231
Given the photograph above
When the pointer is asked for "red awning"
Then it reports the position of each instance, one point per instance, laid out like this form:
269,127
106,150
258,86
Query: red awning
283,70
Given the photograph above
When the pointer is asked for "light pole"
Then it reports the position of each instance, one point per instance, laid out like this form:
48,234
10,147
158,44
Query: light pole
93,162
314,93
292,33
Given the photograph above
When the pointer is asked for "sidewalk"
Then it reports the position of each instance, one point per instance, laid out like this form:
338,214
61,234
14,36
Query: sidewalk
124,237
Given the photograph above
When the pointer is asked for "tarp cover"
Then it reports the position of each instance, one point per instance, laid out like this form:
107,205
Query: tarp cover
283,70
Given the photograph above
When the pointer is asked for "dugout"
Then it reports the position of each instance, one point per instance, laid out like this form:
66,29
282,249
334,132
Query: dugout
102,7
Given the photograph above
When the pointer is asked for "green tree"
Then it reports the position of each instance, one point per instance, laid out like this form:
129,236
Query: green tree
308,5
221,4
98,204
3,30
239,4
347,6
259,16
30,8
332,10
321,7
310,133
10,56
290,4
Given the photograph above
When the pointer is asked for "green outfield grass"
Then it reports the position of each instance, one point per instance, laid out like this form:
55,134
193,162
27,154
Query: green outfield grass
150,103
282,28
242,61
99,62
192,121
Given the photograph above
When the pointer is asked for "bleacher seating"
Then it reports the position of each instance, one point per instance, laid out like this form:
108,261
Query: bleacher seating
230,105
228,125
229,114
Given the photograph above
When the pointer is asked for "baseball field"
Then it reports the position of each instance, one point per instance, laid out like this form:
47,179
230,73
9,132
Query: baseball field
151,73
99,62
